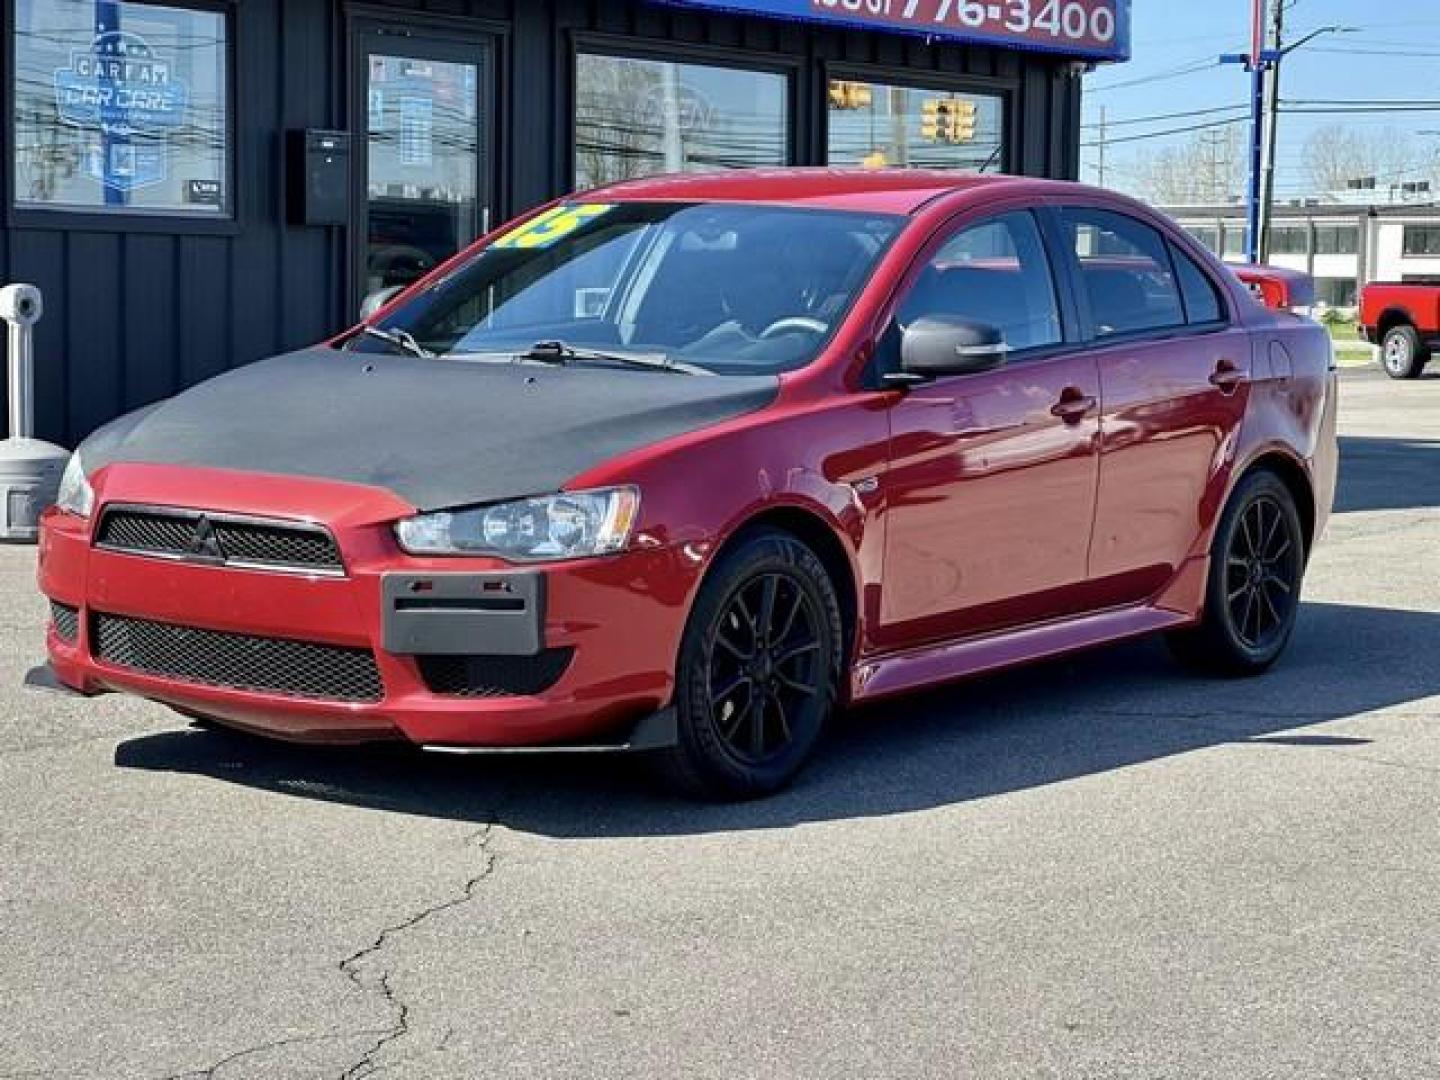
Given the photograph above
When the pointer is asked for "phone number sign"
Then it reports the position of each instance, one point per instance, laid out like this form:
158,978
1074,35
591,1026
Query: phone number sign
1092,29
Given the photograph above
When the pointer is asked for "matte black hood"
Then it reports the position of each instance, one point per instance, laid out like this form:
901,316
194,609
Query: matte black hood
438,433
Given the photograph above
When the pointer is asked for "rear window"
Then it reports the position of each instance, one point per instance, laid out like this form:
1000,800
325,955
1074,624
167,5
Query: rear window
1202,301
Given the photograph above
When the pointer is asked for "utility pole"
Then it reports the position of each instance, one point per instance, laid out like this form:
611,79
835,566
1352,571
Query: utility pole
1258,62
1272,126
1102,146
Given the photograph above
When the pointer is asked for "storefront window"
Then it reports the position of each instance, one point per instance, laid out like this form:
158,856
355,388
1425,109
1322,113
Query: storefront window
120,106
641,117
876,125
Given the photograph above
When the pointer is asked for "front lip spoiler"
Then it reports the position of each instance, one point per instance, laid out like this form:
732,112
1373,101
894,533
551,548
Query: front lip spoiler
658,731
43,679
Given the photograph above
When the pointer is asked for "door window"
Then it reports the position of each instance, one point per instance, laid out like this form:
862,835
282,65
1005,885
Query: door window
422,164
1125,271
994,272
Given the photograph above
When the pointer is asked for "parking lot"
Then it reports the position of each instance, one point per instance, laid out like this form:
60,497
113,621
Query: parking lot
1099,868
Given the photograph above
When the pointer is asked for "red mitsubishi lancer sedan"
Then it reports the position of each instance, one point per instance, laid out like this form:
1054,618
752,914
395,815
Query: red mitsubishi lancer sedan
685,465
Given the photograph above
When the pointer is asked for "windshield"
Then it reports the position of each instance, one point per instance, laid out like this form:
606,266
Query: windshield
728,288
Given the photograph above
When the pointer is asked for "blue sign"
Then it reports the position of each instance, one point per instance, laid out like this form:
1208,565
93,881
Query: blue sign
121,88
1085,29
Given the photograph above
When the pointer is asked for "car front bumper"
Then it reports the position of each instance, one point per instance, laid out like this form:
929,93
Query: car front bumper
566,654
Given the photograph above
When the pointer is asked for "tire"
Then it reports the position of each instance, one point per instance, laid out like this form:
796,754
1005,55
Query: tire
1402,353
765,634
1257,567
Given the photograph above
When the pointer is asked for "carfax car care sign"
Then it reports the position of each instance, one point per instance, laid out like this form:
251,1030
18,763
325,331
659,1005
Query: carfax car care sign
1092,29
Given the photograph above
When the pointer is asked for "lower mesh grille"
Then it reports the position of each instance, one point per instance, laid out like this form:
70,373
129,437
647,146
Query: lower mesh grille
494,676
237,661
66,621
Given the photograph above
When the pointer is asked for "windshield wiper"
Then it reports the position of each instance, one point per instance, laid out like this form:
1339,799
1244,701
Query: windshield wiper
558,352
400,339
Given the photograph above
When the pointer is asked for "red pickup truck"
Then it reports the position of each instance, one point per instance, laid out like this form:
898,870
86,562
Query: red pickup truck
1404,320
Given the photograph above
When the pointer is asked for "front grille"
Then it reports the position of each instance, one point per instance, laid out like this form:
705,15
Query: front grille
237,661
66,621
178,534
494,676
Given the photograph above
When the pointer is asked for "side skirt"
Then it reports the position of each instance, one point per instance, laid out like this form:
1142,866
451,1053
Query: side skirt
897,673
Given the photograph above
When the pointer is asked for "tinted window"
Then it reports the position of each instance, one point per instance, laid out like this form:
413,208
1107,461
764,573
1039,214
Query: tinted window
1125,271
1422,240
1202,302
1336,239
997,273
1290,240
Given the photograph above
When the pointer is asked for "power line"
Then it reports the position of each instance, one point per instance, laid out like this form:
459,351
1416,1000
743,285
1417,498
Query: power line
1172,131
1162,76
1186,115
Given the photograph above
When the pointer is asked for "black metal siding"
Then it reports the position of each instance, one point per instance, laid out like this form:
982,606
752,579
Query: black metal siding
135,313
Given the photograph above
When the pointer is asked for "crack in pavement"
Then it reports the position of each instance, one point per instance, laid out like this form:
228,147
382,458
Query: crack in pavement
354,966
208,1072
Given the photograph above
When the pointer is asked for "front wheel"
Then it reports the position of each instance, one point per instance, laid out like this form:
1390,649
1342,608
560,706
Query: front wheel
758,671
1402,353
1257,565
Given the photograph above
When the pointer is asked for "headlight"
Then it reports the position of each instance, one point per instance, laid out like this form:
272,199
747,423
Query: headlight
565,526
76,495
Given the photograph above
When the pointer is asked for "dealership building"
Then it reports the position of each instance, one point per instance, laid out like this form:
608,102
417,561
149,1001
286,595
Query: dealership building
196,184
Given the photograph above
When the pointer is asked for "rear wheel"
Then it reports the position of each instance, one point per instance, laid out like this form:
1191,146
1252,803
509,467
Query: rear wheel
1257,565
758,671
1402,353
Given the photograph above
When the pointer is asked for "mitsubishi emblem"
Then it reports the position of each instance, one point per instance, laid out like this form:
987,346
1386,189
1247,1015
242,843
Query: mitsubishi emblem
203,543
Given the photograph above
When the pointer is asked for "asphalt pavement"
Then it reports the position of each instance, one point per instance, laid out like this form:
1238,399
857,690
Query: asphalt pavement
1101,867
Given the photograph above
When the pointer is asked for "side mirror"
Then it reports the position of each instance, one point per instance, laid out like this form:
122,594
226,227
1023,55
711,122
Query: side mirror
948,346
378,299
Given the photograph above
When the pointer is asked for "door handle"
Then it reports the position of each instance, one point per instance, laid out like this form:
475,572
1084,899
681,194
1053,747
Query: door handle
1227,377
1074,405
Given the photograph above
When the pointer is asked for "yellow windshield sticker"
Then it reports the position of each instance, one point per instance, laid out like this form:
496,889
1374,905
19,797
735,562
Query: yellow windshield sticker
552,226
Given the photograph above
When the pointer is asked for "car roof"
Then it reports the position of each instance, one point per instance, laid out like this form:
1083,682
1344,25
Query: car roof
890,191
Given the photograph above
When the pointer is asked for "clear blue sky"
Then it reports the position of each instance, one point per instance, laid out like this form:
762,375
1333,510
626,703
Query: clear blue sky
1394,54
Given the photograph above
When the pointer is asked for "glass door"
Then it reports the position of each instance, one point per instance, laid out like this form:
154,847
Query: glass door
422,175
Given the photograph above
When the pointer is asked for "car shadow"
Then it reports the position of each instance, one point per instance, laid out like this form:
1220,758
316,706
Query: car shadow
1388,474
1099,711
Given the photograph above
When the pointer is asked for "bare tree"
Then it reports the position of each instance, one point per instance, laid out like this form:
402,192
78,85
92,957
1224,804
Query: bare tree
1335,155
1209,169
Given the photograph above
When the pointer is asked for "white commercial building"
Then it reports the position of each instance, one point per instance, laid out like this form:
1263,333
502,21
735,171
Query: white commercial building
1341,246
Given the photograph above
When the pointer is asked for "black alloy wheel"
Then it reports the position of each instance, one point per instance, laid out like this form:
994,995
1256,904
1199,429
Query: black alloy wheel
1257,567
764,666
1262,573
758,670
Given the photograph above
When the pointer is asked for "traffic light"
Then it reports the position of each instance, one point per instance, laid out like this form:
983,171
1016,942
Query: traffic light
850,96
937,119
963,124
948,119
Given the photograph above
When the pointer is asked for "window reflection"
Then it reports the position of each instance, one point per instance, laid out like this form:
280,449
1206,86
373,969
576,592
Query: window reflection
638,118
878,125
120,105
